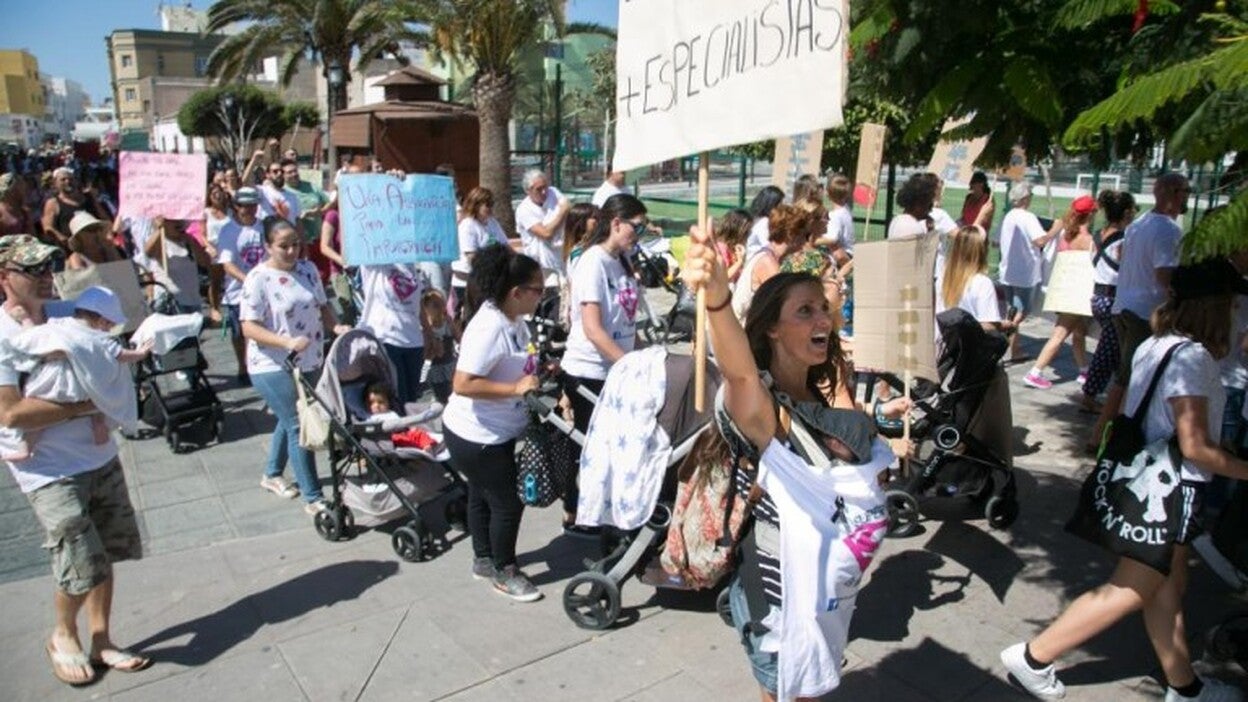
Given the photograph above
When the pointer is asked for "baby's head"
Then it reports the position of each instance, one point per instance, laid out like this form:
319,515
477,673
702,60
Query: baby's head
377,397
434,306
99,308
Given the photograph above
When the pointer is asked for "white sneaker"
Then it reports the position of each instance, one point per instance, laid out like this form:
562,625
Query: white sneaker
1232,576
1213,691
1041,683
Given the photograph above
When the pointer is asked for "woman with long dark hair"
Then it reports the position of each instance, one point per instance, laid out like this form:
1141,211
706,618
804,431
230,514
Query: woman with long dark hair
486,413
605,295
761,206
1119,209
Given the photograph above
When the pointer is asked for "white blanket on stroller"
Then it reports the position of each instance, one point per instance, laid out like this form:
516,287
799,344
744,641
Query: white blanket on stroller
165,331
625,454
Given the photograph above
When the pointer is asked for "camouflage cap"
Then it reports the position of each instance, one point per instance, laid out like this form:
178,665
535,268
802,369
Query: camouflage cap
7,181
24,250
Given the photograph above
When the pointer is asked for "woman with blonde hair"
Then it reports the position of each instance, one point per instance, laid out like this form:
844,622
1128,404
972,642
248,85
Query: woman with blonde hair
964,282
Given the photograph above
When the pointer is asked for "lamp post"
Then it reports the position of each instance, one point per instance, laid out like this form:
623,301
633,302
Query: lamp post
226,106
335,77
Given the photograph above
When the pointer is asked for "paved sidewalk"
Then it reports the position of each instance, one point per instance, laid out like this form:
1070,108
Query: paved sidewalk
239,599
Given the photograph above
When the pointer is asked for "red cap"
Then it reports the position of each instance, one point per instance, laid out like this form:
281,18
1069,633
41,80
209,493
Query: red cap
1084,205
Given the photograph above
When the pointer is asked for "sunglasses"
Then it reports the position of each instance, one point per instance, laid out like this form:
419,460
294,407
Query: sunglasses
38,270
639,225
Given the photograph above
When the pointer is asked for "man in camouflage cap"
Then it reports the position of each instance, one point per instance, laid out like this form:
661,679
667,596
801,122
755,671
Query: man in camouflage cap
75,486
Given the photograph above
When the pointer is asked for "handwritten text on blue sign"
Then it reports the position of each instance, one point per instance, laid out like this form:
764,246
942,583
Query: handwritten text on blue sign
388,220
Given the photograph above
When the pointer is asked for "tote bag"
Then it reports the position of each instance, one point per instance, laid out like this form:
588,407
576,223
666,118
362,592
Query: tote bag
313,420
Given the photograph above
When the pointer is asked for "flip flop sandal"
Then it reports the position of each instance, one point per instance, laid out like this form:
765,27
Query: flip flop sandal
62,661
280,487
122,661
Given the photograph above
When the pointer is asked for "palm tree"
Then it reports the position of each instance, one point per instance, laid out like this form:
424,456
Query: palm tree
331,31
490,35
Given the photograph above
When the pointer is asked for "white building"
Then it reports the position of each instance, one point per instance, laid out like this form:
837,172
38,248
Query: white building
168,138
21,130
65,103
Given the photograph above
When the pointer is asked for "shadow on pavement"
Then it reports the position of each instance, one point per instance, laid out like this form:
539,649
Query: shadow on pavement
214,634
901,585
928,666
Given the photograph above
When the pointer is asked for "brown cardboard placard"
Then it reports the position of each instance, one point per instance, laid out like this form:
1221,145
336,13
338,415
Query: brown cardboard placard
1070,284
954,161
886,273
796,156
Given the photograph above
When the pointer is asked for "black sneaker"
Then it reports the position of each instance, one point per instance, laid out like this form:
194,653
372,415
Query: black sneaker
516,585
483,569
578,531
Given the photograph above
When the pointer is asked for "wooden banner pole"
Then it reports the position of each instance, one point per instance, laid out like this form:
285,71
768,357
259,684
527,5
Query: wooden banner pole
699,343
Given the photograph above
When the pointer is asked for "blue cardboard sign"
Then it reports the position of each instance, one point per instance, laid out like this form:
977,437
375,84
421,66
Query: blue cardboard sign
387,220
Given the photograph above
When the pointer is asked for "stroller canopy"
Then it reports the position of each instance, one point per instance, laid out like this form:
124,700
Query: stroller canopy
358,359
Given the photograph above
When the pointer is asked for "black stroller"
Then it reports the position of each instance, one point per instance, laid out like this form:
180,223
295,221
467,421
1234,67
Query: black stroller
591,599
174,394
375,481
963,427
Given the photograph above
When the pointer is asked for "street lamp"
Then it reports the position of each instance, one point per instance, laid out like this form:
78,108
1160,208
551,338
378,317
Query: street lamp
335,77
226,111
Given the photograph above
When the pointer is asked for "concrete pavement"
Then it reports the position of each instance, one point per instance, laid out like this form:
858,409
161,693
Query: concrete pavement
239,599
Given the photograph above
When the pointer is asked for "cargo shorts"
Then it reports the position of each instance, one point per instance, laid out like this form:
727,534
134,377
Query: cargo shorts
89,524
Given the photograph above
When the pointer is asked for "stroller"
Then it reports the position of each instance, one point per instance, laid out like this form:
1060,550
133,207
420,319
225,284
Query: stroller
591,599
375,482
173,390
655,268
964,429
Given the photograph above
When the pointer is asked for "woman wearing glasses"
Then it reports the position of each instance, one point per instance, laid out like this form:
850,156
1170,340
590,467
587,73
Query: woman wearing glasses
605,296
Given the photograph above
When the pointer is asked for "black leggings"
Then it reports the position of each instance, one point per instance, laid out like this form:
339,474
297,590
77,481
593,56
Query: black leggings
582,410
494,506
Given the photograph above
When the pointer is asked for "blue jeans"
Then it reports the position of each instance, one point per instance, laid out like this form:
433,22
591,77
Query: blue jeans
1020,298
278,390
407,366
764,665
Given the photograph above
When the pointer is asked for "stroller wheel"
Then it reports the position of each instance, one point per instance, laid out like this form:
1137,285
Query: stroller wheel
1001,511
1226,641
723,608
903,514
328,524
456,514
592,601
409,542
175,441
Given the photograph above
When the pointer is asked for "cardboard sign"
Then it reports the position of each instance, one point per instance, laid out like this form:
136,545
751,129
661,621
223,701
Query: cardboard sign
155,184
954,161
1070,284
870,159
119,276
697,75
796,156
886,274
387,220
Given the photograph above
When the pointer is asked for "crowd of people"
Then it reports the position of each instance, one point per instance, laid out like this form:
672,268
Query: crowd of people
778,281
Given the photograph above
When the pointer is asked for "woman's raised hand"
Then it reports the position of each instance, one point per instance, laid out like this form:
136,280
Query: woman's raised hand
702,267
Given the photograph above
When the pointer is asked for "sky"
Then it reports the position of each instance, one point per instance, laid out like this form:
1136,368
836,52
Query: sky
67,36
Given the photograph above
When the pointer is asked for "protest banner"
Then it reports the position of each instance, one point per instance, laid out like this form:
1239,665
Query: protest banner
954,161
118,276
1070,284
388,220
894,318
697,75
795,156
168,185
870,160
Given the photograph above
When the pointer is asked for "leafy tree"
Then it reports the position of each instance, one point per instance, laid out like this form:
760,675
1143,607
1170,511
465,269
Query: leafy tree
490,36
236,115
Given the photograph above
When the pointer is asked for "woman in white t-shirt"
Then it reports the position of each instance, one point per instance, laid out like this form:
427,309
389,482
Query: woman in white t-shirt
605,295
392,313
477,230
964,282
486,413
1187,405
283,311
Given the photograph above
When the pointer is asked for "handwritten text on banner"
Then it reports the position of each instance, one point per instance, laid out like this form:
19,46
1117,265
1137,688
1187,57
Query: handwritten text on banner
168,185
696,75
388,220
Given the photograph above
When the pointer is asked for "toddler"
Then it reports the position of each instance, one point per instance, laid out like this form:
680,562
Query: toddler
442,365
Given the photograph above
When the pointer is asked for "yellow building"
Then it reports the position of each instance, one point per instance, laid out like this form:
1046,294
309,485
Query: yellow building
139,61
20,90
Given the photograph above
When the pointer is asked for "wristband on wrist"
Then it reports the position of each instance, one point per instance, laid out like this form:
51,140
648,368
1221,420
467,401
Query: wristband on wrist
727,301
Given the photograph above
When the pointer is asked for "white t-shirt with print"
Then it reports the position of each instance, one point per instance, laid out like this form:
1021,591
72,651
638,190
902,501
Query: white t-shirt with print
547,252
498,349
63,450
243,246
287,303
1020,258
600,278
1151,242
979,299
1192,373
474,236
392,303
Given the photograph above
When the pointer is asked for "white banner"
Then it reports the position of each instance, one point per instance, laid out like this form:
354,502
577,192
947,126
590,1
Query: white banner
697,75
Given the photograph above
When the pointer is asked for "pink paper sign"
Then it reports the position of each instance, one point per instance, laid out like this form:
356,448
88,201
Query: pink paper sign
169,185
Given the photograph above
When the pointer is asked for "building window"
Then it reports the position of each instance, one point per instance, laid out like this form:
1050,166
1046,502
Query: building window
160,64
201,65
125,60
147,105
130,95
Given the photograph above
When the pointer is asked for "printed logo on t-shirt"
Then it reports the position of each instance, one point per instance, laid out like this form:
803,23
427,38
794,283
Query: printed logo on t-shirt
865,540
403,284
627,297
251,255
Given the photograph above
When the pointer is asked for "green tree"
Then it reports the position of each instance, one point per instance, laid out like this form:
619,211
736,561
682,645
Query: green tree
490,36
329,31
236,115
